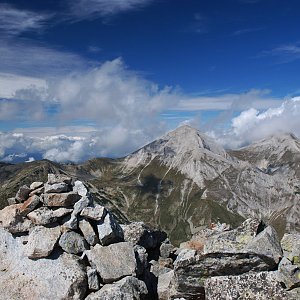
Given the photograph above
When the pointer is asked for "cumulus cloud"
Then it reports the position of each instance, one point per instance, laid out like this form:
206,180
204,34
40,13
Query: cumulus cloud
92,9
252,124
14,21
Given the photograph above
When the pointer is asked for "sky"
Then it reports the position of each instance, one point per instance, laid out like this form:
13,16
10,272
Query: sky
90,78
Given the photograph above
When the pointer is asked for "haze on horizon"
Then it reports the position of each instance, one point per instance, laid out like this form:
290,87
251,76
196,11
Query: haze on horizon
90,78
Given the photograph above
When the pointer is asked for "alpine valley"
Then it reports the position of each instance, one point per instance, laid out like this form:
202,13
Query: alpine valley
185,181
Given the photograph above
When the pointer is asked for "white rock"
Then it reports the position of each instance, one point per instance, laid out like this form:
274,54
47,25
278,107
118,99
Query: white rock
35,185
80,188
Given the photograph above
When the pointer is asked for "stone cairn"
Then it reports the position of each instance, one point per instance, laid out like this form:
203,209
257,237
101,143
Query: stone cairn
57,242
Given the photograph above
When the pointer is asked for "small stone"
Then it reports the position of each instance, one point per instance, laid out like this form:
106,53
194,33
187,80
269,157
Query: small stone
44,215
23,193
141,256
114,261
290,244
72,242
56,188
64,199
58,178
88,232
289,274
96,212
166,250
164,285
35,185
109,231
41,241
29,205
93,280
12,201
38,191
80,188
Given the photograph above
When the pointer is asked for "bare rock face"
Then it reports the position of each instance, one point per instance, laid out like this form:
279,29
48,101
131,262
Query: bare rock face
63,278
41,241
12,221
113,262
72,242
128,288
63,199
262,285
109,231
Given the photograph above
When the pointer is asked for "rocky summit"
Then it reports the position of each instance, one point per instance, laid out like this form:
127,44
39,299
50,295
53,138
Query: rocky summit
72,247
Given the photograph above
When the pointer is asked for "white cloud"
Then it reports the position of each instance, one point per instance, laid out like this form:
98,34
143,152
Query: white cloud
14,21
251,125
91,9
284,53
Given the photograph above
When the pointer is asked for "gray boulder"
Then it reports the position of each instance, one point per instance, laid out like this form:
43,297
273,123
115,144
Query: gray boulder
289,274
58,178
93,281
262,285
95,212
128,288
109,230
62,278
72,242
290,244
113,262
88,232
44,215
164,285
41,241
56,188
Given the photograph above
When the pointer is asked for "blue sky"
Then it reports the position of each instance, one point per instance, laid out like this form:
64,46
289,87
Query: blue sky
115,74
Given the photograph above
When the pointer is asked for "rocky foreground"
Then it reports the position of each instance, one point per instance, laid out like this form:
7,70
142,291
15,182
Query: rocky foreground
57,242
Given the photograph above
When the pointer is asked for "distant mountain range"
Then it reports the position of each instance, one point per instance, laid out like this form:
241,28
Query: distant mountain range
185,181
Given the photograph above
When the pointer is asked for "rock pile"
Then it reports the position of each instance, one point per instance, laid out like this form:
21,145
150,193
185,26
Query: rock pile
245,263
56,242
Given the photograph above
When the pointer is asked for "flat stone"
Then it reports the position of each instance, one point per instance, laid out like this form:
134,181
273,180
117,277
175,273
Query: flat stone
96,212
23,193
93,280
44,215
63,199
56,188
128,288
41,241
29,205
38,191
80,188
113,262
88,232
35,185
60,277
164,285
261,286
12,221
72,242
109,231
58,178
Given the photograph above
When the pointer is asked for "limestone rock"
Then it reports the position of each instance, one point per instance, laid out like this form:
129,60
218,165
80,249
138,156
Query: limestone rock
93,281
62,278
96,212
72,242
35,185
128,288
44,215
80,188
164,285
88,232
113,262
23,193
11,219
109,231
29,205
289,274
58,178
41,241
63,199
56,188
262,286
